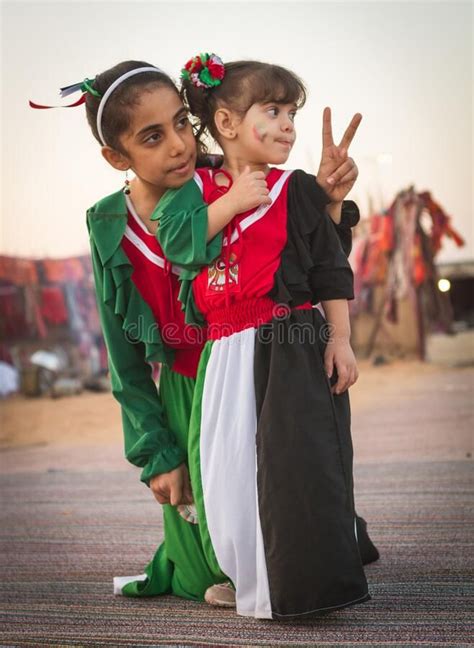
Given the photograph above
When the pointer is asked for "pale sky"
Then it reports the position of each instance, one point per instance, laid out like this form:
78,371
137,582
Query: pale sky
406,66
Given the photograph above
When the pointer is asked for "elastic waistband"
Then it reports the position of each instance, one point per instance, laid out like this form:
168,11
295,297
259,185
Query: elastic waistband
250,313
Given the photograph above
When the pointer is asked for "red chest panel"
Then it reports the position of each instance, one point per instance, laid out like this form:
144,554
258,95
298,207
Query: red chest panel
157,282
251,251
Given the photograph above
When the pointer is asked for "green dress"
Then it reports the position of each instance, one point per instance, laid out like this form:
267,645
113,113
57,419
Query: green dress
155,423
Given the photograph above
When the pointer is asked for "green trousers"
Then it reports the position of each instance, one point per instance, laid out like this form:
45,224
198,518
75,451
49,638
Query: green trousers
179,566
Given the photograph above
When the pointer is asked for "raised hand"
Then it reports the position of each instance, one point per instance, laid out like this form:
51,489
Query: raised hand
249,190
337,171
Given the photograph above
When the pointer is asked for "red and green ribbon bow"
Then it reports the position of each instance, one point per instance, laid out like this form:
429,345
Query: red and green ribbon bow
83,87
204,71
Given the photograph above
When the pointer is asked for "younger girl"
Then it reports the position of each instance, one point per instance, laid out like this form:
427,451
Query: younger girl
270,450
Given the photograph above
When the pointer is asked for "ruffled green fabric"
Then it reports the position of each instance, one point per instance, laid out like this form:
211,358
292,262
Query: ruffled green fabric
192,314
183,224
133,340
119,291
182,234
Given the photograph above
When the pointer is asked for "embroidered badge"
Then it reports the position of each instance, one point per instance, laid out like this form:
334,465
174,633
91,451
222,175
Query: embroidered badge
216,274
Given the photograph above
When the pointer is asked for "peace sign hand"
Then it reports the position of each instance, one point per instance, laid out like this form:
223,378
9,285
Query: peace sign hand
337,172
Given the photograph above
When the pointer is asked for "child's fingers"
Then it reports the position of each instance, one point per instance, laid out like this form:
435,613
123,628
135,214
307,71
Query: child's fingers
356,375
257,175
351,176
175,495
327,128
344,169
343,380
339,155
188,497
351,377
351,130
187,492
161,497
260,184
329,363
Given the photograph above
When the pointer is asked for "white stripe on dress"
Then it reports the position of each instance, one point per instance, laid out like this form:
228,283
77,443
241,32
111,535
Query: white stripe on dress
145,250
197,179
229,470
135,216
262,210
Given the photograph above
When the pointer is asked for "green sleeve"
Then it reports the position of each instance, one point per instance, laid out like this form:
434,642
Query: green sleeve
148,442
182,230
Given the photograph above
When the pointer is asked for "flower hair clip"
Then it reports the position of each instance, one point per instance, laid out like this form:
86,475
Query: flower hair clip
204,71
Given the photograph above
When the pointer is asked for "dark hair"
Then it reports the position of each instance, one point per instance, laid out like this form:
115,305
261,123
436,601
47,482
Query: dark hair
117,111
245,83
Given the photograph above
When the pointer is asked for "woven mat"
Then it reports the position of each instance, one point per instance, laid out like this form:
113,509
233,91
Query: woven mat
66,534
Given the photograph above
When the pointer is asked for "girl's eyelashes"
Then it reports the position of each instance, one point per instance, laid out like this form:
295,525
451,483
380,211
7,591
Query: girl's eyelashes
154,138
183,121
274,111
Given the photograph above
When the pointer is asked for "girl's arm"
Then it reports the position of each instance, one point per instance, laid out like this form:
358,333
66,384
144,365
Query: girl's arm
189,231
183,228
248,191
148,442
345,215
334,210
330,277
339,354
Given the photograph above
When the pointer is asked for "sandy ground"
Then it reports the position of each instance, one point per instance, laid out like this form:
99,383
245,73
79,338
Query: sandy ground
403,410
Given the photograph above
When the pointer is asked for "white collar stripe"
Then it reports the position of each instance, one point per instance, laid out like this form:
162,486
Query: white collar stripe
135,216
198,180
145,250
262,210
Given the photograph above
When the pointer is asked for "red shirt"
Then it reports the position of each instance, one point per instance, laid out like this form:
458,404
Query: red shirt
246,268
157,282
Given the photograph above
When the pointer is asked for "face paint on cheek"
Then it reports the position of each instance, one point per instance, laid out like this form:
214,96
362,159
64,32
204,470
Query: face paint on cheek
259,132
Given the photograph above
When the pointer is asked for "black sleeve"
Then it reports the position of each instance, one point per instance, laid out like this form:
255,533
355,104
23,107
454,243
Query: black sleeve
349,218
319,248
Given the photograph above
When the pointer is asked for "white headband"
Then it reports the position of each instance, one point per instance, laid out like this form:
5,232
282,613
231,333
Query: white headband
111,88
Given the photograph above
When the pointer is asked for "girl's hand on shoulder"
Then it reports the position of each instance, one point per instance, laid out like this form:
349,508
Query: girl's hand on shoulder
249,190
172,487
340,356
